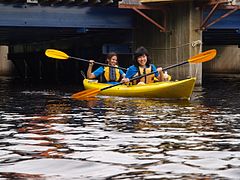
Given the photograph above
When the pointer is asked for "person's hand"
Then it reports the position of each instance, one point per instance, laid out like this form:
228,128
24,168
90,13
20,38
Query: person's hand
125,80
159,69
91,62
141,83
165,76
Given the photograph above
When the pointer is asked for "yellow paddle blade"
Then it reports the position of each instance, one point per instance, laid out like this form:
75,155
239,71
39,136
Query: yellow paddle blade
56,54
203,57
86,93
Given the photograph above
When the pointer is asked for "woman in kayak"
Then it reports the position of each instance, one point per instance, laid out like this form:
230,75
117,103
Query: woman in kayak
142,65
107,74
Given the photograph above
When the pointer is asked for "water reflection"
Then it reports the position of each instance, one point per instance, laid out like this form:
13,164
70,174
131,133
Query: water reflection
46,135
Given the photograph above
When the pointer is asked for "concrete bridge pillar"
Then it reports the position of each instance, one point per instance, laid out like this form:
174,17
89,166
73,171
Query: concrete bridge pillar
195,36
6,66
181,41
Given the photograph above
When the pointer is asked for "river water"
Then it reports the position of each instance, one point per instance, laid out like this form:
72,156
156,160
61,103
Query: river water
46,135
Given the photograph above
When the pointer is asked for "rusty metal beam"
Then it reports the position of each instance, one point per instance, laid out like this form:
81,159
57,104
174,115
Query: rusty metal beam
137,5
209,15
162,29
213,2
223,16
218,4
229,6
225,4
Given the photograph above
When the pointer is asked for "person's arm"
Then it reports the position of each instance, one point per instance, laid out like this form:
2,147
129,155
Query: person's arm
90,75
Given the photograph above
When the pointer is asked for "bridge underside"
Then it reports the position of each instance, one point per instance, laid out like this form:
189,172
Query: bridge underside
25,23
82,31
225,31
36,21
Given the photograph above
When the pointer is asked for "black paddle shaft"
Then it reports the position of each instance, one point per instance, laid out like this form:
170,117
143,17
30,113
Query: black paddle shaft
138,77
103,64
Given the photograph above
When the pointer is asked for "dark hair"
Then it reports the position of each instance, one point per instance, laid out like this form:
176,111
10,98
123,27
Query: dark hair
110,55
140,52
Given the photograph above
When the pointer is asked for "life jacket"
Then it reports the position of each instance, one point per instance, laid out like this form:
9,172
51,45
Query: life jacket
146,79
110,75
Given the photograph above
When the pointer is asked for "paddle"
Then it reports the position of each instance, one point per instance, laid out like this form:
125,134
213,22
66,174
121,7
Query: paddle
53,53
200,58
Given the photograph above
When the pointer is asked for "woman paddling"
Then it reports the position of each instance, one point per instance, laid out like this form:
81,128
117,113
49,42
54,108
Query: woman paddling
107,74
142,65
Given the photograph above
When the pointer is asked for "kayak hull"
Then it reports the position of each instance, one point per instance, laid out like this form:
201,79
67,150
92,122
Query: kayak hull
173,89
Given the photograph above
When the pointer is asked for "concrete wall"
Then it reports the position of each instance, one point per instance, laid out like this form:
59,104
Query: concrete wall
175,45
227,60
6,66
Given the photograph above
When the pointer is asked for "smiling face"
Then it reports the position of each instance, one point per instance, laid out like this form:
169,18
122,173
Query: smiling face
112,61
142,60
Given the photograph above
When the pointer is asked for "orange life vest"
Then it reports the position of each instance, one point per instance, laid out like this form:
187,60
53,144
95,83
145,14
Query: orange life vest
146,79
111,74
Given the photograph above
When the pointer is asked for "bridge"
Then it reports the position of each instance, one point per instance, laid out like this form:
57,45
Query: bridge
28,27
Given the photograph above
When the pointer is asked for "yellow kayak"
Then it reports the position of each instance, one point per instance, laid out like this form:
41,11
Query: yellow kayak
173,89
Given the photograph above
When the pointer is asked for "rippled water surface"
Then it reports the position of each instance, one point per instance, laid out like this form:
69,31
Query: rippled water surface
46,135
